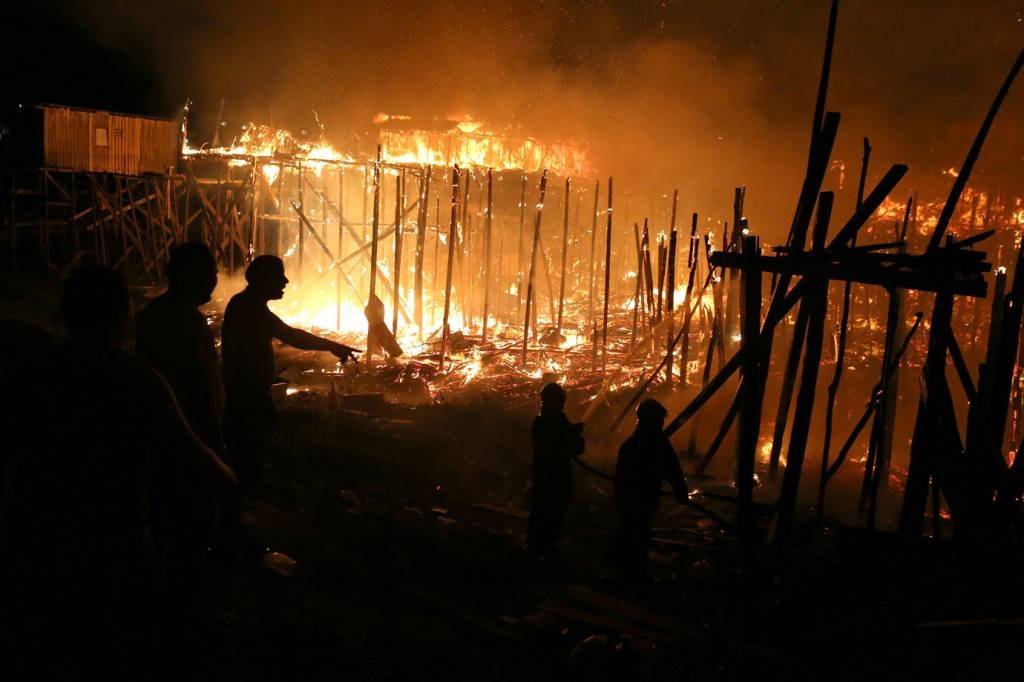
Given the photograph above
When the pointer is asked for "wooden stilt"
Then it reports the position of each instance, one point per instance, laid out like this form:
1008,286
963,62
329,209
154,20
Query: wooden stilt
607,281
341,243
487,252
533,264
421,240
684,355
396,277
817,304
565,257
448,270
750,410
670,298
593,244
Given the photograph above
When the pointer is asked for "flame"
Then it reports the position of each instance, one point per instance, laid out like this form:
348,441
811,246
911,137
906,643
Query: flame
470,144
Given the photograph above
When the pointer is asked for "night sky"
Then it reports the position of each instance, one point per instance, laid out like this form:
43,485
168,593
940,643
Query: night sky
702,95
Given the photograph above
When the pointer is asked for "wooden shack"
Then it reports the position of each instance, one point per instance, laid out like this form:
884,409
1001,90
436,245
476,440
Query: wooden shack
93,141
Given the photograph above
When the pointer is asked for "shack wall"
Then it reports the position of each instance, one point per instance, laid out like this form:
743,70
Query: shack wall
102,142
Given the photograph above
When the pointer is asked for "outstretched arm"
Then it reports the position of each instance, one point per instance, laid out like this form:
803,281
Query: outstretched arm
303,340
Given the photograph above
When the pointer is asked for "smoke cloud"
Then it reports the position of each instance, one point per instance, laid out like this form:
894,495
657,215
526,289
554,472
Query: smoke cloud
701,95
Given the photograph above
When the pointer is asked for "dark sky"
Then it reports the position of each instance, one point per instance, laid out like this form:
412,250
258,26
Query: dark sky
702,95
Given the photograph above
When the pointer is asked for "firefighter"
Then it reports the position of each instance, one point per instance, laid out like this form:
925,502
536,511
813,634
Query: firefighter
646,458
556,441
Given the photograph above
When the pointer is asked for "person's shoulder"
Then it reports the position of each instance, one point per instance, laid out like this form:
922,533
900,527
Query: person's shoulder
630,443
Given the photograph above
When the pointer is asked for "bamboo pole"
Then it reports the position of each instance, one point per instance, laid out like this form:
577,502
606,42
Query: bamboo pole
421,240
607,281
519,252
837,375
750,412
638,296
593,244
684,355
487,251
396,277
816,302
453,226
731,294
533,264
565,256
786,390
341,242
645,247
465,254
670,298
670,301
437,244
375,228
302,233
662,255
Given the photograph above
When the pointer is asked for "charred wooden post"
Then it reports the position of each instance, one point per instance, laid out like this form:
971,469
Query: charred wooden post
487,252
932,447
645,248
375,227
590,265
445,334
341,242
638,296
876,468
670,301
607,280
565,256
533,263
837,375
816,301
691,261
519,252
421,240
662,255
302,233
464,253
931,408
750,412
397,275
731,294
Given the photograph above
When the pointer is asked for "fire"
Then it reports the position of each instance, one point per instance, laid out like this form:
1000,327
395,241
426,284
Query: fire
470,144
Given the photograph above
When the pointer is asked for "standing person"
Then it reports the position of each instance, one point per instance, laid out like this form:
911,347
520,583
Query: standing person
174,336
84,430
556,441
249,372
645,459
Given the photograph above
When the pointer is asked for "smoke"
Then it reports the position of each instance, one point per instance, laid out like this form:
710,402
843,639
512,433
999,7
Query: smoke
702,95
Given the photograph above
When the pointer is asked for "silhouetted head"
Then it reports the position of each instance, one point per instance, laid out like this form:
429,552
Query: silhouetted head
552,398
95,305
192,272
265,276
651,413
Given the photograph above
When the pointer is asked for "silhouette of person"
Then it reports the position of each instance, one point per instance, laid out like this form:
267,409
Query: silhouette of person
645,459
556,441
249,372
84,429
175,337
